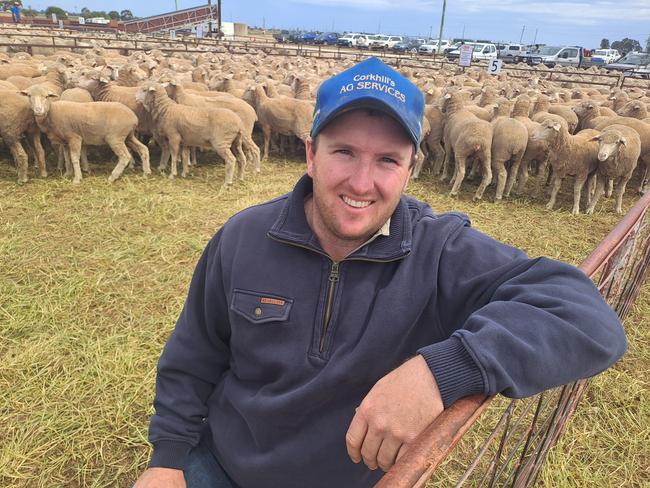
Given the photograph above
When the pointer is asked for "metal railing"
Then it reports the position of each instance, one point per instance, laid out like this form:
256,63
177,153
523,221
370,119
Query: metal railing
272,47
515,449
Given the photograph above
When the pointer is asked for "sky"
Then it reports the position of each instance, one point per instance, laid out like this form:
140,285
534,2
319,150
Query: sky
549,22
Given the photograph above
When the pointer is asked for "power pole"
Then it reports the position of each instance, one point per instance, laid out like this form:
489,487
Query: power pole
210,18
535,39
522,34
219,18
442,25
462,36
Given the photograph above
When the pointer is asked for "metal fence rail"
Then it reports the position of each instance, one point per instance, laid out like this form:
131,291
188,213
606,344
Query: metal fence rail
515,449
272,47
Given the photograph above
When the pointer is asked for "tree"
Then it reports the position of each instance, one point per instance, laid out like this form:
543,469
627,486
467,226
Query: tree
85,11
604,43
126,15
647,45
627,45
114,15
60,13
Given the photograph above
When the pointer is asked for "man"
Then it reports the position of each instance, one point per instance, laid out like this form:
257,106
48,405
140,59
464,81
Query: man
325,329
15,12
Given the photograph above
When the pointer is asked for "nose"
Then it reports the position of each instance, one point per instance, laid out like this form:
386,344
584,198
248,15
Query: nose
361,180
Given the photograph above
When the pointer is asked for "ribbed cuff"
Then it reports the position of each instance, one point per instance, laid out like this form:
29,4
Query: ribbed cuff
169,454
455,371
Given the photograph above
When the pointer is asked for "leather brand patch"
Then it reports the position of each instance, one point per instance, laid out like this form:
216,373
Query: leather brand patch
272,301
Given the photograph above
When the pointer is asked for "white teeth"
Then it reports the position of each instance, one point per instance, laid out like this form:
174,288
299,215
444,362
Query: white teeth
355,204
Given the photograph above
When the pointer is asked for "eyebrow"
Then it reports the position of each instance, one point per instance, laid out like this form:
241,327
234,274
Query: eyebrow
386,154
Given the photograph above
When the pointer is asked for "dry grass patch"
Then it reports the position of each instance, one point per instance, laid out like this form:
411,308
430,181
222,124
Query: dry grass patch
92,278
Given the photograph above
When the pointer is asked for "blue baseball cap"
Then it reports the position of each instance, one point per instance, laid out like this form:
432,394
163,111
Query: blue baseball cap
370,84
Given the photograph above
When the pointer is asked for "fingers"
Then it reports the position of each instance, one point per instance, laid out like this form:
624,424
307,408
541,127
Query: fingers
370,448
388,453
355,436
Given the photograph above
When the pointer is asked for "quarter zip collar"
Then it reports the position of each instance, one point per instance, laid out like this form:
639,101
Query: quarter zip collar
291,227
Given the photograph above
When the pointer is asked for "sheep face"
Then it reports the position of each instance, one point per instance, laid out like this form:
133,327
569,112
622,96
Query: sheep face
585,109
549,130
40,99
609,143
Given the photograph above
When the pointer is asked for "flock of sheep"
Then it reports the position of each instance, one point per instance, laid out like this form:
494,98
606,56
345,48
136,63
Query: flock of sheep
500,129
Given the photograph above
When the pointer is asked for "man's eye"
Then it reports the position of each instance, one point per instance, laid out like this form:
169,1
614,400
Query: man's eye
389,160
343,151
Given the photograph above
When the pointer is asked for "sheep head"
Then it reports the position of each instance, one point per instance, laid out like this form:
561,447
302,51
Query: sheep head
549,130
40,99
609,143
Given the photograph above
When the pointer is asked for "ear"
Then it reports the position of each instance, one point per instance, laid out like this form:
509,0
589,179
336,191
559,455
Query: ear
152,88
594,139
167,83
24,93
309,156
447,96
173,82
52,95
590,105
623,141
556,126
103,79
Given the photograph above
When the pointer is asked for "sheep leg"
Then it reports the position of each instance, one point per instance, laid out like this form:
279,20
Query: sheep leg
487,175
230,160
502,176
20,157
39,153
241,158
646,175
459,175
438,156
577,191
600,189
266,132
142,152
164,157
74,146
252,152
610,187
185,158
84,159
620,191
174,148
124,157
60,160
193,159
522,176
514,171
449,159
68,162
556,183
419,162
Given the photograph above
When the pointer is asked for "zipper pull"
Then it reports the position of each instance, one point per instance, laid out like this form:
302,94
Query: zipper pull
334,273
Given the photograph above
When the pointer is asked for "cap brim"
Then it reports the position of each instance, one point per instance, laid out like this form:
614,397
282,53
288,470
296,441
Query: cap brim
373,103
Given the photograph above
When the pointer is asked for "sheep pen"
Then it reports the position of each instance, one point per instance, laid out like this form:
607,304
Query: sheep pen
93,278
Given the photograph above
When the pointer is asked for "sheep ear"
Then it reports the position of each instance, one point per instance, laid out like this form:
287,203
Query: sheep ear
590,105
52,95
447,96
557,126
623,141
167,83
152,88
24,92
594,139
173,83
103,79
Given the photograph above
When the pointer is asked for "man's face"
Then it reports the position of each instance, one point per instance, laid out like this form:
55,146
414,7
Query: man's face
360,168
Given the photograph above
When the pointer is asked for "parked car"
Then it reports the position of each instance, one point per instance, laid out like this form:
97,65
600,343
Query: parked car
282,36
605,56
377,41
555,55
309,37
362,41
347,39
408,45
393,41
431,46
631,62
328,38
509,51
482,51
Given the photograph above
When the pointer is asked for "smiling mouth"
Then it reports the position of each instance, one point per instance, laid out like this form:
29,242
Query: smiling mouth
355,203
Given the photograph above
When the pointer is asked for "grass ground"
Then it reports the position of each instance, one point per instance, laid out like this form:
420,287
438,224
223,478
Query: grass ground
92,278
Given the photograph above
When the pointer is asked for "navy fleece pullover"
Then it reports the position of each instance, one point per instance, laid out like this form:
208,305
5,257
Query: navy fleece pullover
253,354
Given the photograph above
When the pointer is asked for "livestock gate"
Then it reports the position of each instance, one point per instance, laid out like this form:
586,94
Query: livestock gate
515,447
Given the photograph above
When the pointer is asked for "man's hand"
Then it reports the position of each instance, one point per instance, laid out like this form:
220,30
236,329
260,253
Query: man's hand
161,478
395,411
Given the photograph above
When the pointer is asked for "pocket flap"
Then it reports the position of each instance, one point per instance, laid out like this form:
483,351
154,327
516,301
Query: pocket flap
260,307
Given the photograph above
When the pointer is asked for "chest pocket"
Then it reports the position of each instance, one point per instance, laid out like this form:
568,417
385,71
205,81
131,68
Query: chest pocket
260,308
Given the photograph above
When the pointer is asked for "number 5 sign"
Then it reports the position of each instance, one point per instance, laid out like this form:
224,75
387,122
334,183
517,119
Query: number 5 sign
494,67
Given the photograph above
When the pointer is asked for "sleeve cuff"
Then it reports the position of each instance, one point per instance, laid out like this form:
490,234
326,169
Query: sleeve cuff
454,370
169,454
